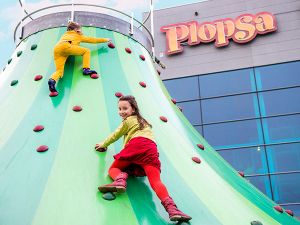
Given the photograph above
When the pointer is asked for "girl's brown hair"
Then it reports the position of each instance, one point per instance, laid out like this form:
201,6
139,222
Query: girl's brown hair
141,120
73,25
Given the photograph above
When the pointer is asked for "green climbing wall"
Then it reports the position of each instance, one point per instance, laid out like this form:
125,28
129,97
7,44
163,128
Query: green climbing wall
59,186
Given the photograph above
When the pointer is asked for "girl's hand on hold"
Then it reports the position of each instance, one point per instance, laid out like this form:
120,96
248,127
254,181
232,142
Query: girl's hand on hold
99,147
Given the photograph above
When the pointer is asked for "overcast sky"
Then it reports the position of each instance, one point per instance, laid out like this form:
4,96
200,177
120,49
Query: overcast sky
11,13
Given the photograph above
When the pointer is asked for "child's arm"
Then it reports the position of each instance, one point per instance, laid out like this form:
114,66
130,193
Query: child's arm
93,39
119,132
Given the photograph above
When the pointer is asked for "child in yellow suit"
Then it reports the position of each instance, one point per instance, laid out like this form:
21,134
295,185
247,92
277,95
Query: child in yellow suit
69,45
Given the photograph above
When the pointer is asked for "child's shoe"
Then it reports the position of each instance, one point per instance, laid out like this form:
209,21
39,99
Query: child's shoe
119,184
51,84
87,71
174,213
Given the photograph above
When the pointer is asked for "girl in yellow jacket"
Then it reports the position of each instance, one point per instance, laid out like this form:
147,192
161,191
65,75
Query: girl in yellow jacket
69,45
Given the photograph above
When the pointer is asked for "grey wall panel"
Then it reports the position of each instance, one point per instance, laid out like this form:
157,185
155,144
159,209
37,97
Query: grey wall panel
276,47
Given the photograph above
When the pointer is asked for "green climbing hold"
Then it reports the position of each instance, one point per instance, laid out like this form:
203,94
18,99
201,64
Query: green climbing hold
14,82
109,196
9,61
34,46
19,53
256,223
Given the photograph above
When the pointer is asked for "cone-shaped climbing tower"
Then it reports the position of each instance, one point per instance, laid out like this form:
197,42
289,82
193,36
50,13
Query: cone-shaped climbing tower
49,170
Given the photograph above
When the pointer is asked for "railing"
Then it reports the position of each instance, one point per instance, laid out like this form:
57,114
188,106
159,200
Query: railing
22,23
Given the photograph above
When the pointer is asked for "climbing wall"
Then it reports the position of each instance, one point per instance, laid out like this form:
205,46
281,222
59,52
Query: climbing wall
49,170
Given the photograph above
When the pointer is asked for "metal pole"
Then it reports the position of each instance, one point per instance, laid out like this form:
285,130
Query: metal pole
131,24
72,11
152,26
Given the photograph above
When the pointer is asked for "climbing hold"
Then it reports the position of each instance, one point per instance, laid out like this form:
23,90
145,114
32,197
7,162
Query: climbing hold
3,68
94,76
290,212
180,108
256,223
101,149
38,77
111,45
174,100
42,148
109,196
241,173
158,72
14,82
9,61
38,128
278,208
143,84
128,50
118,94
142,57
19,53
53,94
77,108
164,119
34,46
201,146
196,159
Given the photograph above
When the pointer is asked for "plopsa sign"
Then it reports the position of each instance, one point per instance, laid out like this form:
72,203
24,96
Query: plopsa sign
241,30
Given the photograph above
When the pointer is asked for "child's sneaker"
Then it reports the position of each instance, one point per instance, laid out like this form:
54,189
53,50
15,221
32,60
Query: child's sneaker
51,84
87,71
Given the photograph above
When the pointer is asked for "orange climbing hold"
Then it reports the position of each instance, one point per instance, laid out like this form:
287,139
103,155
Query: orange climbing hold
196,159
42,148
77,108
38,128
38,77
143,84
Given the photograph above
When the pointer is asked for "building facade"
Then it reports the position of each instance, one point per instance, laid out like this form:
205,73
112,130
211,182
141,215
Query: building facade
242,95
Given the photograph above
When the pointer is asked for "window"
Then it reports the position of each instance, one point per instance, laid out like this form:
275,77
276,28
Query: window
234,134
192,111
282,129
248,160
183,89
286,187
230,108
276,76
283,158
262,183
231,82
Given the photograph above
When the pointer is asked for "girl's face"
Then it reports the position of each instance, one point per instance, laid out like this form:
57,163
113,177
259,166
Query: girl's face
125,109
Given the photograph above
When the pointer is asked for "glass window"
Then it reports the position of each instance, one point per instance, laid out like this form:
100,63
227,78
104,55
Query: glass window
234,134
262,183
248,160
282,129
230,108
280,101
192,111
199,129
183,89
276,76
225,83
286,187
284,158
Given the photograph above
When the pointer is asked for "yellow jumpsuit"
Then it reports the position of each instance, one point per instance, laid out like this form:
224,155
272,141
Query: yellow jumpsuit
69,45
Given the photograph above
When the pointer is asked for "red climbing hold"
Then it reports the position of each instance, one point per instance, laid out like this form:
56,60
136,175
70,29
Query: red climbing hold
42,148
201,146
111,45
142,57
278,208
77,108
101,149
38,77
290,212
128,50
118,94
196,159
38,128
143,84
174,100
53,94
164,119
158,72
94,76
241,173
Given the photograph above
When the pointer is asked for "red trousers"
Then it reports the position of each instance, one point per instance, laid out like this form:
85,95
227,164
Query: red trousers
152,173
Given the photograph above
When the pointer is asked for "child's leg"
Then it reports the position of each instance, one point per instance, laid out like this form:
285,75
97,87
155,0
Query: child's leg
78,50
59,61
153,175
117,167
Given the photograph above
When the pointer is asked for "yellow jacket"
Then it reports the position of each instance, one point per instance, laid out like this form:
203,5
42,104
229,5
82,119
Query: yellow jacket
129,128
76,38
